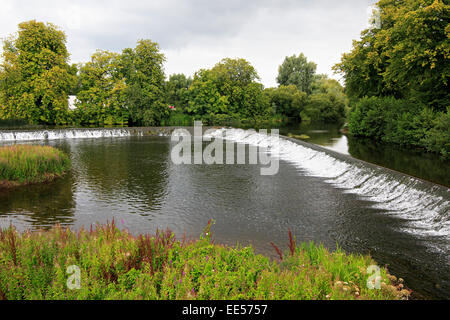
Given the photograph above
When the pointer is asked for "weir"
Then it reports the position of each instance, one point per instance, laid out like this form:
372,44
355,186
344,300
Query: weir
426,206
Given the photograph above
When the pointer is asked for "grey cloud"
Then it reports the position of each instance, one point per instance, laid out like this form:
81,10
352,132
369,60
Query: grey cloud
263,30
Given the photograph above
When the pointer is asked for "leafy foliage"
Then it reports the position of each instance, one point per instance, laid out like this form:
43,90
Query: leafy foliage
406,56
142,68
297,71
35,75
287,100
176,89
102,94
403,122
404,62
229,88
327,103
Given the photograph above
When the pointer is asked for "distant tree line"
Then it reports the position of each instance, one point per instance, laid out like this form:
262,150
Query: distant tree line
130,88
397,75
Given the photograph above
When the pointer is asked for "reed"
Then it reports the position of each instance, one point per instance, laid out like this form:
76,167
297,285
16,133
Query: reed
114,264
23,164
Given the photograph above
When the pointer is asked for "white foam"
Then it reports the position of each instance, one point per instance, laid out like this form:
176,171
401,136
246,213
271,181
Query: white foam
6,136
408,198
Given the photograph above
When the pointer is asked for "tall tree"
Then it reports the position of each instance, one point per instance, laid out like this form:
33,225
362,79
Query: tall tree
34,75
102,92
405,55
287,100
230,88
297,71
204,96
231,77
142,67
177,90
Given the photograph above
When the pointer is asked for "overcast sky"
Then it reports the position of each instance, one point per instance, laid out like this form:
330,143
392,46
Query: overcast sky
196,34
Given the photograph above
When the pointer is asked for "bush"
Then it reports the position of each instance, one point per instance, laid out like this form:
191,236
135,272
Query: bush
402,122
324,107
437,139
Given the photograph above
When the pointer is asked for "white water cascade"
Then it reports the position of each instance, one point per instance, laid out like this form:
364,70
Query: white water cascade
10,136
425,206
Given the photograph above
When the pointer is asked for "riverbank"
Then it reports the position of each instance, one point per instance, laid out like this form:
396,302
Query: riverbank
112,264
30,164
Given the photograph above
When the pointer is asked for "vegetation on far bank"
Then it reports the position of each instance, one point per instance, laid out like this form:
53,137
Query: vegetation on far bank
130,87
397,75
396,83
24,164
113,264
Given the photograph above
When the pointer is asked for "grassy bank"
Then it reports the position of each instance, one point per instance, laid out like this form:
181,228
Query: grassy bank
116,265
24,164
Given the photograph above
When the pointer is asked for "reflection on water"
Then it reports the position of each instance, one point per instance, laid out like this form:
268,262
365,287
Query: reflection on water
420,164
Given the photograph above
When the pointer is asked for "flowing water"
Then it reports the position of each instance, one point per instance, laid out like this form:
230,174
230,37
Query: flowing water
321,195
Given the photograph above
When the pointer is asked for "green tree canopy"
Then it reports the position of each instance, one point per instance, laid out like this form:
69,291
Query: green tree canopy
297,71
102,92
142,68
35,75
230,88
328,101
177,90
231,77
287,100
405,55
205,98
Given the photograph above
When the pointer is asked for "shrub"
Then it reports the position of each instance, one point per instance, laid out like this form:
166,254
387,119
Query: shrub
402,122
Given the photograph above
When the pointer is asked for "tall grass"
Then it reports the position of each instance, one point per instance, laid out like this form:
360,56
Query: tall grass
30,164
116,265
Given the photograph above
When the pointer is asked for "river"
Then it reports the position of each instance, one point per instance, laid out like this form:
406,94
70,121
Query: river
321,194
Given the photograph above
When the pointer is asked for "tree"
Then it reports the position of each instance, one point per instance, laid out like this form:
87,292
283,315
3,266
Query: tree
34,75
256,104
324,107
297,71
327,102
102,93
287,100
142,68
405,56
205,98
231,77
177,90
229,88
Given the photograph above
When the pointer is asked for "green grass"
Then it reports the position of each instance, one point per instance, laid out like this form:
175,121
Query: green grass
22,164
116,265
